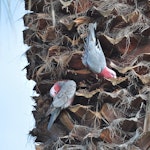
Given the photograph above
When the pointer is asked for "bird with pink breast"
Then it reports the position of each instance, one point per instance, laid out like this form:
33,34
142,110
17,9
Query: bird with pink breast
93,56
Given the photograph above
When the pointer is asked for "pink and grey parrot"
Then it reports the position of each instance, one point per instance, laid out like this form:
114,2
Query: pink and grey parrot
63,94
93,56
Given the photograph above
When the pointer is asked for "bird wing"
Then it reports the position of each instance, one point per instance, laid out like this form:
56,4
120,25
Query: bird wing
95,58
65,94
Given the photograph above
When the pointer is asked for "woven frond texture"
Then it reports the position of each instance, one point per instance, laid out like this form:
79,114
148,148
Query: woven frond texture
106,114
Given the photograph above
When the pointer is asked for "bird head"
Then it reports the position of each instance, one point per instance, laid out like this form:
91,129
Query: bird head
55,89
108,73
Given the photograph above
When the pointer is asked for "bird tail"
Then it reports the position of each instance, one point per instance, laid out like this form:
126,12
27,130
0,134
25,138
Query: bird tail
53,117
90,39
91,36
91,32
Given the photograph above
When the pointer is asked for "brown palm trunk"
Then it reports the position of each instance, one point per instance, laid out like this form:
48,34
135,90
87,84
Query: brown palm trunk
105,114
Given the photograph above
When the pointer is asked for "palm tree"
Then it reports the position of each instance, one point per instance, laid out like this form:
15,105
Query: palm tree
105,114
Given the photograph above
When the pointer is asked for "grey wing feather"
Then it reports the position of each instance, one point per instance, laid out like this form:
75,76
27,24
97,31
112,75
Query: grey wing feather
53,117
66,93
93,57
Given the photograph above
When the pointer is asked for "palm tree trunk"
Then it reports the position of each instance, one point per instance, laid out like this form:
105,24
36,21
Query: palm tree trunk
105,114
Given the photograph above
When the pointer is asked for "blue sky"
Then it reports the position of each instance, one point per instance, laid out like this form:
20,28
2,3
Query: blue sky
15,90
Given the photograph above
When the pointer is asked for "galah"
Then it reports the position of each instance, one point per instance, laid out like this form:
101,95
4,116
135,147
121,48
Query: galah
93,56
63,94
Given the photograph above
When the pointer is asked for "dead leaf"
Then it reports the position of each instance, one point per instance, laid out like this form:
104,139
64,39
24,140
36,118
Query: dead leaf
66,4
66,120
110,113
117,80
87,94
82,20
88,117
143,141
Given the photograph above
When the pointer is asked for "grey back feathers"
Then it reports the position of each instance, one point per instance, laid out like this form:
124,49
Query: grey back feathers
66,92
93,56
